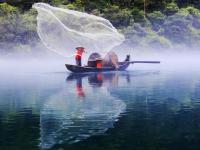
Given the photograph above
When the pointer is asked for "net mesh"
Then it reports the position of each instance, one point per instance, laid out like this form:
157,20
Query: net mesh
61,30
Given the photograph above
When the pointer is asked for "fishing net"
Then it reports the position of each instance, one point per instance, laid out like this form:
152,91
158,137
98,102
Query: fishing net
62,30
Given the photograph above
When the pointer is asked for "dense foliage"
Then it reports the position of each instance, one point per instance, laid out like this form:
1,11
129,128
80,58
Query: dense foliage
156,24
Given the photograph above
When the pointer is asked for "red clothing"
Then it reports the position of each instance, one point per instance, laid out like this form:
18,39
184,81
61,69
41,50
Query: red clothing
79,53
99,77
99,63
80,91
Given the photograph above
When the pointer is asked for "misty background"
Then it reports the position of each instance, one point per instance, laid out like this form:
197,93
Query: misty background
150,27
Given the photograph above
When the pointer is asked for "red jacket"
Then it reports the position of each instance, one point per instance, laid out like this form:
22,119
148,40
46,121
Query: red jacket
79,53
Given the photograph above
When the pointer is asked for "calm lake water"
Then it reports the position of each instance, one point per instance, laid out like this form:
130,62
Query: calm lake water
140,109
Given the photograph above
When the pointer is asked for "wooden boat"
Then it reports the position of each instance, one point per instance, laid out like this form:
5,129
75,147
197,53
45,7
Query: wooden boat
122,66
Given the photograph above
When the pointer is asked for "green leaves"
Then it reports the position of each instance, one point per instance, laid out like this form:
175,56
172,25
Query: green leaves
8,12
16,28
118,17
171,8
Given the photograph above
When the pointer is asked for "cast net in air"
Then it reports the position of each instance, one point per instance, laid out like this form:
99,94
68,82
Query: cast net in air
62,30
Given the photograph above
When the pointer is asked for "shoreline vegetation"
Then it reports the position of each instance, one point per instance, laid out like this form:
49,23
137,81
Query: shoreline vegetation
146,24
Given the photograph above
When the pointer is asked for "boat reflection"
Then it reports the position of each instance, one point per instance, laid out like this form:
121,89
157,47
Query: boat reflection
96,80
66,118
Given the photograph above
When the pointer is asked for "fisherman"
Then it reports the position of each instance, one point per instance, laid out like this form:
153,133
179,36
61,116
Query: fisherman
127,57
79,53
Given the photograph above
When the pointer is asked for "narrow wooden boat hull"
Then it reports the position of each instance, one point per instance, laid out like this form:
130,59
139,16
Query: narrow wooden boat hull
83,69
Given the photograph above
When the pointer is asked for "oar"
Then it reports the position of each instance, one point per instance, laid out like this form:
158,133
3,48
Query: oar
146,62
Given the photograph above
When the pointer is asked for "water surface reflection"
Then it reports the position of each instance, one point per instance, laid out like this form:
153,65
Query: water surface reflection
140,109
83,108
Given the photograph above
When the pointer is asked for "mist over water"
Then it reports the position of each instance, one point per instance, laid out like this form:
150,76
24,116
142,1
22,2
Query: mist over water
56,63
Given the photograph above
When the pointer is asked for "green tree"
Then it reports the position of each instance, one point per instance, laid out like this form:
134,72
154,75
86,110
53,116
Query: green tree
157,19
119,17
171,8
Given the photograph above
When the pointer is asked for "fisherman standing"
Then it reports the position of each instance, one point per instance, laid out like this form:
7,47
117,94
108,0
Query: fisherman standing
79,53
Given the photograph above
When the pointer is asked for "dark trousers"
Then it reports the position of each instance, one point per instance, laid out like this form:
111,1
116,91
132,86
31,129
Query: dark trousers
78,62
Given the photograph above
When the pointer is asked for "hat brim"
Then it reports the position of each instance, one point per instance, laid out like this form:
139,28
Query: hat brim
80,48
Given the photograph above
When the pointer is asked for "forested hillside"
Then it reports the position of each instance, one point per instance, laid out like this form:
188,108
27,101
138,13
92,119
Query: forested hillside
162,24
